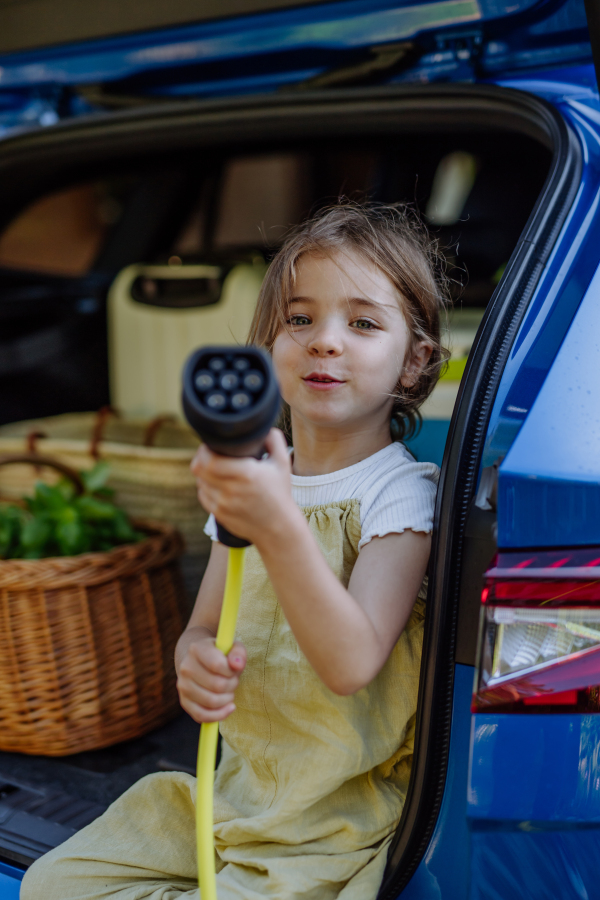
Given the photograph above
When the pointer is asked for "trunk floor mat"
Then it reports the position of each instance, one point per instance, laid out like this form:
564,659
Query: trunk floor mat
44,800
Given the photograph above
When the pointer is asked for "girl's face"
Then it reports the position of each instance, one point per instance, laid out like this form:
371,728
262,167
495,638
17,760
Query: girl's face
346,345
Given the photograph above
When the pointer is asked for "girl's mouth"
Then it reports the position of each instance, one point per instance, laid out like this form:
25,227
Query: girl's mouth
321,381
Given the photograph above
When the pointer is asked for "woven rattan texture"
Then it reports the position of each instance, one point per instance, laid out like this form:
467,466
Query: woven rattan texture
149,482
86,646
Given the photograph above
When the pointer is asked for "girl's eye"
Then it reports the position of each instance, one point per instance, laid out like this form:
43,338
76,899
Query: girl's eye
298,320
363,325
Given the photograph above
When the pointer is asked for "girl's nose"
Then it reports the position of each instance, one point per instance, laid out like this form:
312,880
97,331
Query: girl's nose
326,341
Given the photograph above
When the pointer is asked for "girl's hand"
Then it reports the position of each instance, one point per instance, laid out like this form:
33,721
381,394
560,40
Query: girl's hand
251,498
208,679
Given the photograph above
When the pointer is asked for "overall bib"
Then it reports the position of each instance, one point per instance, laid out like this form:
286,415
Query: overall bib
310,787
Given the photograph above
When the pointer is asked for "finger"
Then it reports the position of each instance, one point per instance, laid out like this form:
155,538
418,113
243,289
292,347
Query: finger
208,498
210,466
195,693
196,456
216,468
193,672
208,657
276,446
200,714
237,657
210,494
202,459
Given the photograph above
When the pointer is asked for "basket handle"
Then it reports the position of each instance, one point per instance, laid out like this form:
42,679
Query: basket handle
153,427
32,438
106,412
38,461
102,416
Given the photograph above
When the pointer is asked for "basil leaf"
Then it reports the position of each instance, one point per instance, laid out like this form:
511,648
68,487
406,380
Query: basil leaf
96,478
35,533
95,510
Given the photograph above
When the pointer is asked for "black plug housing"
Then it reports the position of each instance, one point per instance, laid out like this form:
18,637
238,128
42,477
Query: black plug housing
231,400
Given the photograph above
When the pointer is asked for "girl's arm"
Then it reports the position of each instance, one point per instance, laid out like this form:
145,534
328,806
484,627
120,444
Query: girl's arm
207,678
346,634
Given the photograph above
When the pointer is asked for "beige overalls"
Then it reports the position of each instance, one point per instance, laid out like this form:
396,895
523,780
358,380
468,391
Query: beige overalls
310,786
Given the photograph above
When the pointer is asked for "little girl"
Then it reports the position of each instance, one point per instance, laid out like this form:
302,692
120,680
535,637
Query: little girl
317,698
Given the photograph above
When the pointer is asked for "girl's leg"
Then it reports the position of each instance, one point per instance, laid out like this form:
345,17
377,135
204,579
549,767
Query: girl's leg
142,848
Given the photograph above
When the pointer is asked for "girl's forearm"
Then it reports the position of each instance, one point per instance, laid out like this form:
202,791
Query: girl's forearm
333,631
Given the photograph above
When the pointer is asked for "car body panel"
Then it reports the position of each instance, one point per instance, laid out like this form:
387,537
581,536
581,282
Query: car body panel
549,484
524,862
10,881
534,795
562,285
520,808
534,806
508,785
418,42
521,801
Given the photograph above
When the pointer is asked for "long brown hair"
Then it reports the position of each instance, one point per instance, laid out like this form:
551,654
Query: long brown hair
395,240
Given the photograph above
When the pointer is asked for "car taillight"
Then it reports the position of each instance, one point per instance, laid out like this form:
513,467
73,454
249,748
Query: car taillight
539,639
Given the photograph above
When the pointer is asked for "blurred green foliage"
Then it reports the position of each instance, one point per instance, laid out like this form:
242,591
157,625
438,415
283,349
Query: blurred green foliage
58,522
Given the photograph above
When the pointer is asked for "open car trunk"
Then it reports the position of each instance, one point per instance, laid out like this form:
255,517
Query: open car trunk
218,182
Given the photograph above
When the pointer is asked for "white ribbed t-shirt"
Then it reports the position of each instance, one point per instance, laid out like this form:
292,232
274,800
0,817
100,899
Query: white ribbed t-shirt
394,491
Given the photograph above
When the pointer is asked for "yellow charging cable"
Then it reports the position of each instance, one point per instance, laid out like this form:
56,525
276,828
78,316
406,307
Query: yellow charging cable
209,734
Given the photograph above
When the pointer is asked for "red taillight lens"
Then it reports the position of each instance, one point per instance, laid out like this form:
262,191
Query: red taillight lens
539,640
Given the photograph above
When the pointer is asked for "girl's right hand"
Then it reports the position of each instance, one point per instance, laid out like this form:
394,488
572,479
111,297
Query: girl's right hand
207,679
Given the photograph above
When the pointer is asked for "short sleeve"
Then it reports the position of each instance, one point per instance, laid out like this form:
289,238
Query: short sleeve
210,528
402,498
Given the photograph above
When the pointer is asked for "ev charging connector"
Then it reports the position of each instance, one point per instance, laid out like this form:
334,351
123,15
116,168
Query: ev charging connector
231,399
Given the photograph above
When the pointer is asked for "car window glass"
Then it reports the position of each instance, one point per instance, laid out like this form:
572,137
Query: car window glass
260,198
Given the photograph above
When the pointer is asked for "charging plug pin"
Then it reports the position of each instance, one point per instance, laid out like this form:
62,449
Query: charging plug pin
253,381
229,381
204,381
241,400
217,400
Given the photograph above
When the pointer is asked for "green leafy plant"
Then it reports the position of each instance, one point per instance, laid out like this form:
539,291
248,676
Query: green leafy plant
57,521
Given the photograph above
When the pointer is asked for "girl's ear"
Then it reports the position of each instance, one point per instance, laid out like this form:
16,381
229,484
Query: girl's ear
415,363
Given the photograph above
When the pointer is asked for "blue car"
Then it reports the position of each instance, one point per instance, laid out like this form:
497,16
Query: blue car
140,143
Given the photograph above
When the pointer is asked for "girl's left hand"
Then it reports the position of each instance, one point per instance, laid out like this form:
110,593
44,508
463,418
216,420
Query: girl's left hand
249,497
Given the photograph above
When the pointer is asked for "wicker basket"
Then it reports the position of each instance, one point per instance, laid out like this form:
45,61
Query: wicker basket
150,464
87,643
